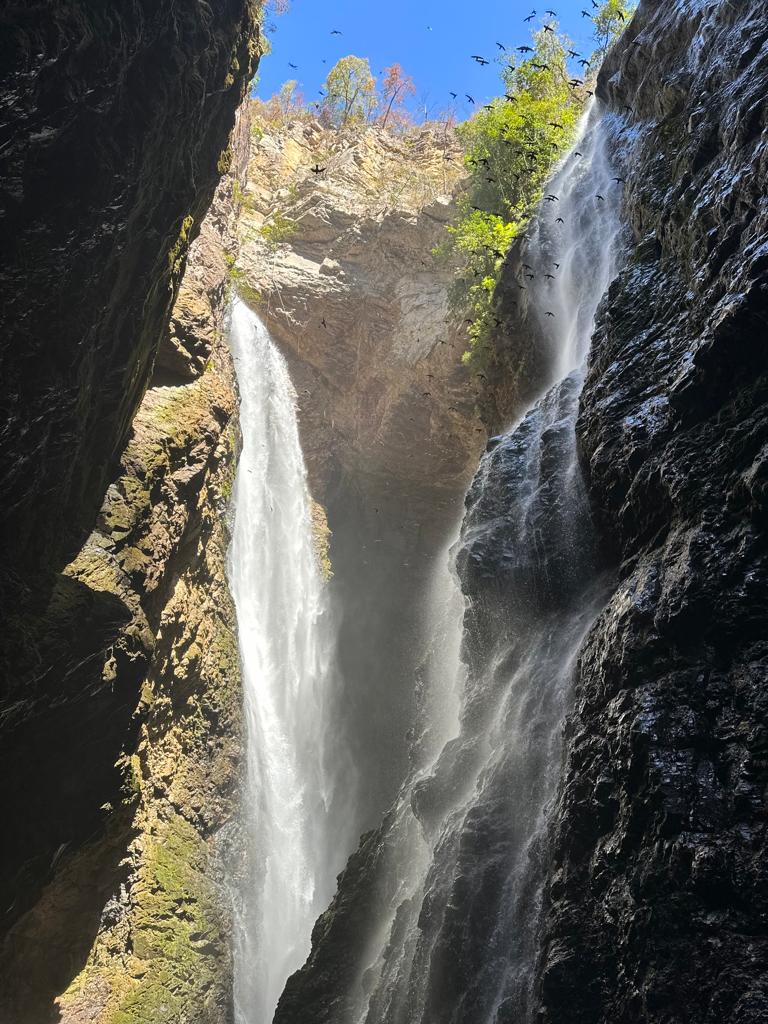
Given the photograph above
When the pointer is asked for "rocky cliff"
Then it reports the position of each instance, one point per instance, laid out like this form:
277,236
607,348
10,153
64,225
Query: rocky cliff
340,266
121,722
654,867
657,894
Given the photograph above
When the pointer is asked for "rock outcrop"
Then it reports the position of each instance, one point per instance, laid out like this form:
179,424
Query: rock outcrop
115,134
657,897
340,266
130,777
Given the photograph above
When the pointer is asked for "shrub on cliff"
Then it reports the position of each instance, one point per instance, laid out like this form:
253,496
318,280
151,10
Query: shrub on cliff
510,148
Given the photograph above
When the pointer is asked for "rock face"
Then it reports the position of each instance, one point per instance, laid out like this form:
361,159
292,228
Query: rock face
116,127
655,880
657,897
340,267
130,776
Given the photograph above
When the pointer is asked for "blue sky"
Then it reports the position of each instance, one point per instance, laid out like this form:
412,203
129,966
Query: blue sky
432,39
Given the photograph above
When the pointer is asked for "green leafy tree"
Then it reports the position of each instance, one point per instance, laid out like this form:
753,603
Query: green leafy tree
610,19
510,147
350,91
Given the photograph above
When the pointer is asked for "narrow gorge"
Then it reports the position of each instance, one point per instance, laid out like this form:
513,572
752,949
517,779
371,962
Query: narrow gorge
385,559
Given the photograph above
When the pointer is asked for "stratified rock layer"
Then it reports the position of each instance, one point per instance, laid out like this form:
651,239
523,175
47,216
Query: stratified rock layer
658,898
340,266
130,779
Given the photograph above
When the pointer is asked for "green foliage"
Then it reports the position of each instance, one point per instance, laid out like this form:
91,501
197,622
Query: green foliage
510,148
238,281
350,91
278,229
610,19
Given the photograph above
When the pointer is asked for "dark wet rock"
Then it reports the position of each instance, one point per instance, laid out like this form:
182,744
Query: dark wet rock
658,894
116,130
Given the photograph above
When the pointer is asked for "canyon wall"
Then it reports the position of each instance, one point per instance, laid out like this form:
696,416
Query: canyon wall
657,895
654,899
121,698
340,266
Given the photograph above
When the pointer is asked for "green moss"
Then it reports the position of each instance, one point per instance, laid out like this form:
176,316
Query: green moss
177,932
180,246
225,159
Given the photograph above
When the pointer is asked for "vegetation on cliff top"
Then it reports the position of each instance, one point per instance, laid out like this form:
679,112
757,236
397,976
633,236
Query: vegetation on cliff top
511,147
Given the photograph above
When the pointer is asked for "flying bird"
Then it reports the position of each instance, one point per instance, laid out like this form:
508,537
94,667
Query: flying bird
335,32
525,49
601,198
294,66
530,17
501,46
621,181
577,153
552,14
556,266
455,95
480,60
559,221
317,169
550,277
549,314
324,323
573,53
470,98
549,28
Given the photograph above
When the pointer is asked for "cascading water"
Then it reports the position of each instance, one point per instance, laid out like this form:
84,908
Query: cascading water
295,838
460,872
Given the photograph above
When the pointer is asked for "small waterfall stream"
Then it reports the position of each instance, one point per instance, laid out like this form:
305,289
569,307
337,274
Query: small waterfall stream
295,837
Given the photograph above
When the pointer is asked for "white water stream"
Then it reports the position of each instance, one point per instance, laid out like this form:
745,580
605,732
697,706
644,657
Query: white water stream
295,840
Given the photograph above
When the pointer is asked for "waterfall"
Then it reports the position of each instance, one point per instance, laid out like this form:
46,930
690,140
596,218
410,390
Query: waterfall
463,851
295,840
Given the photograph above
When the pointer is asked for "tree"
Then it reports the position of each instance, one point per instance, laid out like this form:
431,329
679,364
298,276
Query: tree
350,91
611,17
285,105
510,148
395,89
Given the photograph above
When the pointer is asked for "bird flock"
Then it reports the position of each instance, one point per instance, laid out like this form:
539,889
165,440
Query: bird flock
527,272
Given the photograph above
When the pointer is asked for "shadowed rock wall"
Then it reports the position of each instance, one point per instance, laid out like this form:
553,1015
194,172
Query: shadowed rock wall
120,697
